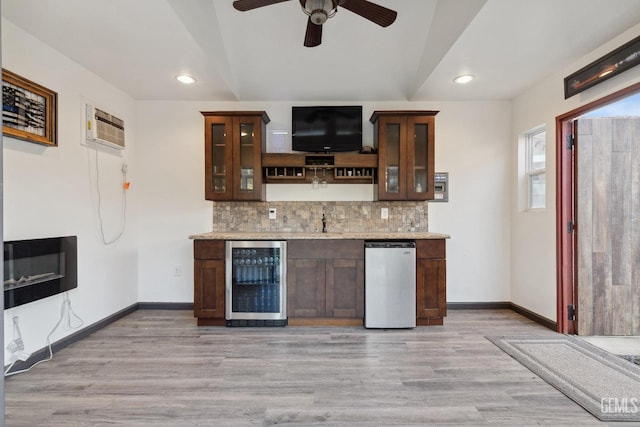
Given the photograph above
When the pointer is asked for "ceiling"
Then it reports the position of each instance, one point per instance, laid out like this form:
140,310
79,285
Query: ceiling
141,45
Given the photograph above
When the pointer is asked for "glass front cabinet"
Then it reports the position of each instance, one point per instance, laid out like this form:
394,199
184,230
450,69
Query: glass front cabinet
234,141
405,141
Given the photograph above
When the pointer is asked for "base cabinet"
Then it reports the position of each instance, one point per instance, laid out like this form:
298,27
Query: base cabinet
344,280
209,282
306,287
325,280
431,282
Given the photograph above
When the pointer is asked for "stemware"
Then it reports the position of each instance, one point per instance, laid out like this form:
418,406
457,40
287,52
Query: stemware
323,182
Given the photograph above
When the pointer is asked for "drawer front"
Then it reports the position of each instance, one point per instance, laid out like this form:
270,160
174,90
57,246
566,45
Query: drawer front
345,249
208,249
430,249
306,249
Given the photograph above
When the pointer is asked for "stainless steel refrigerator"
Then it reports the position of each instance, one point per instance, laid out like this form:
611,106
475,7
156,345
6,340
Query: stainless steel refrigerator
390,284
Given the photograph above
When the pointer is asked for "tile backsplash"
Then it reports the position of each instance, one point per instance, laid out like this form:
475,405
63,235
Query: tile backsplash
307,216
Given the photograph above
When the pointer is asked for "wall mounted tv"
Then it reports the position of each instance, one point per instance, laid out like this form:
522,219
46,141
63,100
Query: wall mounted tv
326,129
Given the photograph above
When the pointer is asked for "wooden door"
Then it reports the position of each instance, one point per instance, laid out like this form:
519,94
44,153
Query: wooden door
608,226
430,290
420,158
208,298
247,170
306,287
392,134
345,288
218,157
431,282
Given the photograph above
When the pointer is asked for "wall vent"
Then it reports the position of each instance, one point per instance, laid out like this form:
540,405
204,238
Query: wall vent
104,128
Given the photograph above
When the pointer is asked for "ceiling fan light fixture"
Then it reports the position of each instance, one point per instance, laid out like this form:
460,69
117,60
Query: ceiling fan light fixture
320,10
464,78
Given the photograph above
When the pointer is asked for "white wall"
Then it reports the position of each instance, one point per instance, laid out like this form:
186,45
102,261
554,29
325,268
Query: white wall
533,242
51,191
472,144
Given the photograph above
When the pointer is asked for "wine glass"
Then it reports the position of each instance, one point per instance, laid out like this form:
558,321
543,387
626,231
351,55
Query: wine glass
323,183
315,181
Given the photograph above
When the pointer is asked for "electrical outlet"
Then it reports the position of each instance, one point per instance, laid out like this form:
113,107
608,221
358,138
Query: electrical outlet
272,213
177,270
384,213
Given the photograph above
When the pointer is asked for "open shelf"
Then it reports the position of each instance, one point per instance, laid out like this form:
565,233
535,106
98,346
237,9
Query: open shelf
284,173
294,168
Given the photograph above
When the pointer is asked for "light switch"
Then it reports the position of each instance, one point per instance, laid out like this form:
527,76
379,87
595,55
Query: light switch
384,213
272,213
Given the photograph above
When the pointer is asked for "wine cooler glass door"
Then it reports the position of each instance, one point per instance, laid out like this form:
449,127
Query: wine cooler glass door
255,280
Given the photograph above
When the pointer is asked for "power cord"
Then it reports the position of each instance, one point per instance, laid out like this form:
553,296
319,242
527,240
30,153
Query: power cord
66,311
123,213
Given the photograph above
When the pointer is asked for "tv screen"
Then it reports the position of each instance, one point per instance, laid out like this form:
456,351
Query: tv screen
326,129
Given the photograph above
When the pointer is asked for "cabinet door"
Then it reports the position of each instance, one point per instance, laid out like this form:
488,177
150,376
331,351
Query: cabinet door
345,288
431,299
218,154
247,171
305,287
208,292
392,134
420,158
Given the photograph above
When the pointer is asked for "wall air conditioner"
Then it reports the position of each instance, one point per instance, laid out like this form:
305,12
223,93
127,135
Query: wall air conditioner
104,128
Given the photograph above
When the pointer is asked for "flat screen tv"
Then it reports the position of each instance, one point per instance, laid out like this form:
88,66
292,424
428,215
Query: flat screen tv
326,129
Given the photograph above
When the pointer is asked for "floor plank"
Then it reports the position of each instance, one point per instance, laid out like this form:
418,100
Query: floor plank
157,368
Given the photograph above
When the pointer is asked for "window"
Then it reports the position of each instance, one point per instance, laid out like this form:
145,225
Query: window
535,163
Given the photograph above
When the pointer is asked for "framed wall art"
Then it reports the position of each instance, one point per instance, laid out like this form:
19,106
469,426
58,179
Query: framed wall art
29,111
612,64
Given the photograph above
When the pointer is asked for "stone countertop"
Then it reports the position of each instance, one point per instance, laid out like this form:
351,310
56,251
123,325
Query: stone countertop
290,235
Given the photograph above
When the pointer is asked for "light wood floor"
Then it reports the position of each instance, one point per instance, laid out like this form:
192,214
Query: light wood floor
157,368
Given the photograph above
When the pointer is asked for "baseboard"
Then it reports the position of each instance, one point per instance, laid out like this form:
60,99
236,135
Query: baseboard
165,305
495,305
504,305
43,353
535,317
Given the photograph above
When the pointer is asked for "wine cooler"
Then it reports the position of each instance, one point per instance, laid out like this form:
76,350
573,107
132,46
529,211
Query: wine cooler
256,292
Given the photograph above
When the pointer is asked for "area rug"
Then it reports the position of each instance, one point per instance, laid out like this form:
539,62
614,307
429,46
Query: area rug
605,385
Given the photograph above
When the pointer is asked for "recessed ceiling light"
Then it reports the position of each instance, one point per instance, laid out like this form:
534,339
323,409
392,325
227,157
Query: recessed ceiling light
186,79
464,78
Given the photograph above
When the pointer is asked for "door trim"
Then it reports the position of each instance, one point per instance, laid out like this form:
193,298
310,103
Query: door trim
565,188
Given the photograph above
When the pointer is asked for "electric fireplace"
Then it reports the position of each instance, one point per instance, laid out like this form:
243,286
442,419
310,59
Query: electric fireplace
39,268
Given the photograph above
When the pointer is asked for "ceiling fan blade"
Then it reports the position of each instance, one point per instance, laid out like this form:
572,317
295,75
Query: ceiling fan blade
371,11
313,37
244,5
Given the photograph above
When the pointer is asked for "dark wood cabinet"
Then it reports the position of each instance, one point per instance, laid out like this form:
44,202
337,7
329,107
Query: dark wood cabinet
406,154
344,280
325,279
209,282
431,282
306,287
233,145
338,168
325,282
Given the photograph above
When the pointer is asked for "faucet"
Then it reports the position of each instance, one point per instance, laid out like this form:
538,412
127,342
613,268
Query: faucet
324,223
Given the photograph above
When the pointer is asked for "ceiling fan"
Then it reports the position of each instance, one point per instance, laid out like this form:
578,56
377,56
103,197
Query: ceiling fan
321,10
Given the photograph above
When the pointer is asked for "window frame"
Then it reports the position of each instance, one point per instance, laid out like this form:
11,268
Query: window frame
532,172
